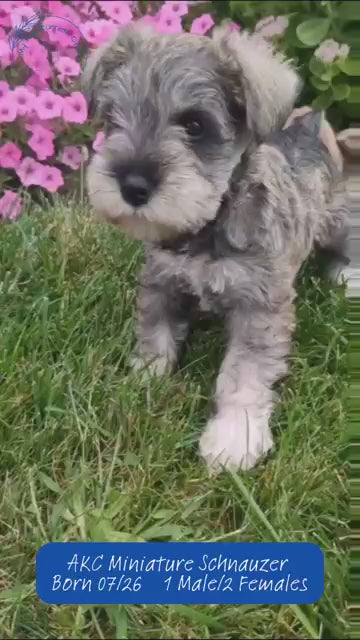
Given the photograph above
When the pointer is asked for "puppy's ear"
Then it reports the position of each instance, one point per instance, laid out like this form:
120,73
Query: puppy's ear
104,61
312,121
260,79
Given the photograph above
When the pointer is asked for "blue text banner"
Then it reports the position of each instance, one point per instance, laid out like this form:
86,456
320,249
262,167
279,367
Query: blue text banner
179,573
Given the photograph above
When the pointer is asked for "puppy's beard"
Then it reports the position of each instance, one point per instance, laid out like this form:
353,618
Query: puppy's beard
184,202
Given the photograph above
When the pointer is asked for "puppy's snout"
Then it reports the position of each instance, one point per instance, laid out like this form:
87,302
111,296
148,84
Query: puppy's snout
137,180
135,188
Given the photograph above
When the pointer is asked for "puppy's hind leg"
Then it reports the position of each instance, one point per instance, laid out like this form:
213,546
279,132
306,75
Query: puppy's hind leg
239,433
333,236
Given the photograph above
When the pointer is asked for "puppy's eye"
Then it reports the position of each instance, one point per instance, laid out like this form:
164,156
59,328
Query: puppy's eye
193,123
194,128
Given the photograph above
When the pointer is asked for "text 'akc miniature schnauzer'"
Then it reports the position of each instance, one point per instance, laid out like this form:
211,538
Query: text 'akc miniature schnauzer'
220,234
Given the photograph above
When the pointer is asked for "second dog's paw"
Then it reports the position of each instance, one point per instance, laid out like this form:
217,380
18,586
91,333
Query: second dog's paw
151,366
235,439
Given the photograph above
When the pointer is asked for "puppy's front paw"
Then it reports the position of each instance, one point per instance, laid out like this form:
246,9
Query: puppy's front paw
151,365
235,439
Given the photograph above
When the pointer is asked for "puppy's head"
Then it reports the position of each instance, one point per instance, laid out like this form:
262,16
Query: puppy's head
178,112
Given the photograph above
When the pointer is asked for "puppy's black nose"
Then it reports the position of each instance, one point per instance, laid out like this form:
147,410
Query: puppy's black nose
136,189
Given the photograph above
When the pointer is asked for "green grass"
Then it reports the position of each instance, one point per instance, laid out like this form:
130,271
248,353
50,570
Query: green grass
86,453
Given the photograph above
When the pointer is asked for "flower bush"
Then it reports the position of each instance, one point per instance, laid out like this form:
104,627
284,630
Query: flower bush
44,127
323,40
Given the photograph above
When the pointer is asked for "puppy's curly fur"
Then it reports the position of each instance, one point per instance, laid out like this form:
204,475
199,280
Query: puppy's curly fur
226,223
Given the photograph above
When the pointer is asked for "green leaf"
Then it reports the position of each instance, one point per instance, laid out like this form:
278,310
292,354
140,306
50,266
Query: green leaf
317,67
313,31
49,482
164,514
350,66
346,32
116,502
341,91
320,69
170,531
202,618
320,85
118,617
348,10
290,36
17,593
354,95
131,459
334,70
123,536
324,100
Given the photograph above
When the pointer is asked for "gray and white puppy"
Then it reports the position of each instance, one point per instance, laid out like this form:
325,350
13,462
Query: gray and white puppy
179,113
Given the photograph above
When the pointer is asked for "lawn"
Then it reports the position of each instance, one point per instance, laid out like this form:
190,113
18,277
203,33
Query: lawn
88,453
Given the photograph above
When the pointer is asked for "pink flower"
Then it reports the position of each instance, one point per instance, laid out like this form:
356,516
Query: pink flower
75,108
31,119
55,126
10,156
119,12
50,178
5,54
176,8
99,141
41,141
63,10
4,17
10,5
233,26
329,50
82,6
98,31
49,105
24,99
67,67
344,51
152,20
35,57
270,27
22,16
29,172
61,32
106,30
90,31
68,52
8,110
71,156
10,205
169,23
34,4
36,82
4,89
201,25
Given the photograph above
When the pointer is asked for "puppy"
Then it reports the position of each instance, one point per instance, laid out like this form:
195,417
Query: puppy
179,114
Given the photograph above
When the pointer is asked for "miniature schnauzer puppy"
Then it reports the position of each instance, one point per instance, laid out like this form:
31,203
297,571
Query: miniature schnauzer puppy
226,224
